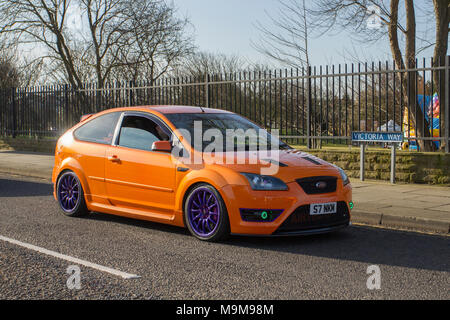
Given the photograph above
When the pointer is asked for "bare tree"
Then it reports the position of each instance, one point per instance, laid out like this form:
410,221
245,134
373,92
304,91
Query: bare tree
16,71
9,71
287,40
31,71
39,21
218,68
56,72
200,64
118,34
354,14
155,43
442,13
9,74
104,18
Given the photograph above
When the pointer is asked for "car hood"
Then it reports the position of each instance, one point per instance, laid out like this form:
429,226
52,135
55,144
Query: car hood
288,165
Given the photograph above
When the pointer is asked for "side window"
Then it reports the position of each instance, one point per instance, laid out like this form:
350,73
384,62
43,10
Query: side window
98,130
140,133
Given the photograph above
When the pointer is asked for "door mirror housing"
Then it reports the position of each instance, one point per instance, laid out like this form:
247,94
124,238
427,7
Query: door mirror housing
162,146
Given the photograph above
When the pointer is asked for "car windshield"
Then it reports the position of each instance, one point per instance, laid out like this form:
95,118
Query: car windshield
237,133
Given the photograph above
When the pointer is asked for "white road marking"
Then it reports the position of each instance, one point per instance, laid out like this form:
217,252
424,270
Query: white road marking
85,263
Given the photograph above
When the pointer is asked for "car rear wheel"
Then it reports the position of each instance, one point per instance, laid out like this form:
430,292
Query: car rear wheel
70,195
206,215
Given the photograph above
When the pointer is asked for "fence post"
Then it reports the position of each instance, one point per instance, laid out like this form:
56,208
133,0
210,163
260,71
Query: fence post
207,90
309,109
131,93
447,104
14,120
65,120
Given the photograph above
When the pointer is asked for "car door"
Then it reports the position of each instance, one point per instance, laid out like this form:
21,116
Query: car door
91,142
135,176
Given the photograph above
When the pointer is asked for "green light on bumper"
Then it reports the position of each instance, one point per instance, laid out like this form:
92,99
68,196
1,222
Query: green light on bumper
264,215
351,204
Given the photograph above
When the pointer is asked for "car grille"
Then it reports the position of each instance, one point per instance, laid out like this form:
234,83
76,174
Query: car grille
301,220
318,185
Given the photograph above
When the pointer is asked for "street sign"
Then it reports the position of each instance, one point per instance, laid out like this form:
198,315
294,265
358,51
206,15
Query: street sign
386,137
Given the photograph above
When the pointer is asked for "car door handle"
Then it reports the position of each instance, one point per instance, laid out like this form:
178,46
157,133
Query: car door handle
114,159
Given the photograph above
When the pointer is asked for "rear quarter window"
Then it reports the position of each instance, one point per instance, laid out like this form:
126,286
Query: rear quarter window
99,130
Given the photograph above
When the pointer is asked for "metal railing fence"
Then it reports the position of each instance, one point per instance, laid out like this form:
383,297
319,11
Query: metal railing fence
309,106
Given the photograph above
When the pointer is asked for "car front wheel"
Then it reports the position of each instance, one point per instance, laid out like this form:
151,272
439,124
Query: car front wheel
205,214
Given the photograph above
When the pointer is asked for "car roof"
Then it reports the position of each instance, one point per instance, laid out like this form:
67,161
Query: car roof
166,109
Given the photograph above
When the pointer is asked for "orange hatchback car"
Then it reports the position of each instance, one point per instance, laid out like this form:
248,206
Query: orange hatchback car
142,163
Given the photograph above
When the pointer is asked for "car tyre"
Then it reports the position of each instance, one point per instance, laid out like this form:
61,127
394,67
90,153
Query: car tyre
70,195
205,214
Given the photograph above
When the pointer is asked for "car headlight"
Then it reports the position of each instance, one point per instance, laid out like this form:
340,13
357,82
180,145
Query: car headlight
265,183
344,176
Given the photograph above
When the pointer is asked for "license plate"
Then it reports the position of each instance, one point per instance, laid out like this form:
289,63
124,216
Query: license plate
323,208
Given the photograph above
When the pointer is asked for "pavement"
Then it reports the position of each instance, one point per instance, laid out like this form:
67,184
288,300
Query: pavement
420,208
37,165
38,244
414,207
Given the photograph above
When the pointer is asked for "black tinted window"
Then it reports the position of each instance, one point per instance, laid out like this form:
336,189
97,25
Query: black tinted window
98,130
140,133
220,121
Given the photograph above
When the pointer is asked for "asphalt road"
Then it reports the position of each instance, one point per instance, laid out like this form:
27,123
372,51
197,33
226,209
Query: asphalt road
173,265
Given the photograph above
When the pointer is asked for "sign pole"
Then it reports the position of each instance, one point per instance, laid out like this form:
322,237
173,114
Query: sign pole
393,157
362,161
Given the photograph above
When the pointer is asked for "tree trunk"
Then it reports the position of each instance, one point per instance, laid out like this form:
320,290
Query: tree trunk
421,126
393,36
442,13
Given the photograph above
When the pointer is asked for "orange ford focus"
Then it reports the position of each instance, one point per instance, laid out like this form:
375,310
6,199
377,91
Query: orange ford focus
148,163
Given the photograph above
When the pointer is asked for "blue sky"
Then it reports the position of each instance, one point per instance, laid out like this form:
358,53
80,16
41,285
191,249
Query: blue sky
228,26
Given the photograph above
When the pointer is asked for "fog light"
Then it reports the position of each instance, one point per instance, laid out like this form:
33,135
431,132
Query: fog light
259,215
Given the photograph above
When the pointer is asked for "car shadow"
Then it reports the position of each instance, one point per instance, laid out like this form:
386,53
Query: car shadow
20,188
368,245
97,216
371,246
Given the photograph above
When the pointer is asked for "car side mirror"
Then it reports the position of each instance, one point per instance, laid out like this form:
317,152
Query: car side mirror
162,146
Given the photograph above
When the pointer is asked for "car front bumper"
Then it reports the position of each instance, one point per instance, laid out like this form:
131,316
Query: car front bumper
292,202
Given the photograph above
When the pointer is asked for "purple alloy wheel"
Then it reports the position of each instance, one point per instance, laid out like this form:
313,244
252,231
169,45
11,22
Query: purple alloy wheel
69,192
203,212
